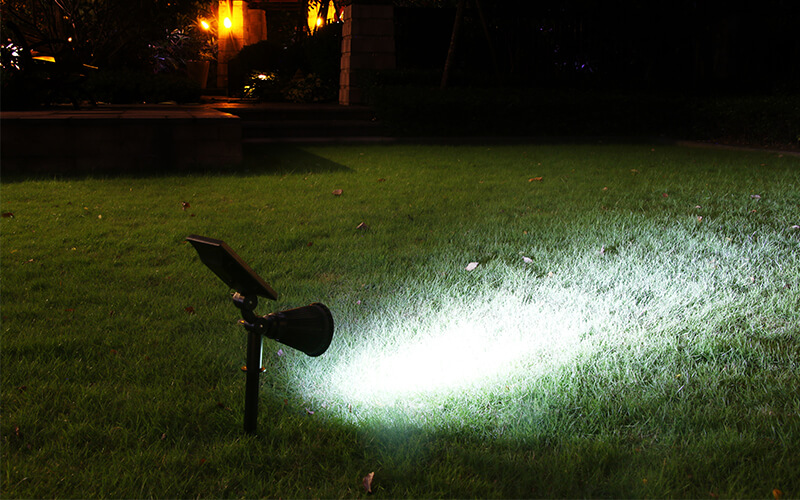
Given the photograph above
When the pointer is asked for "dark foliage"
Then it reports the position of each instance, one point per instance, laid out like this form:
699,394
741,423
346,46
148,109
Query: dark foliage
700,47
305,70
426,110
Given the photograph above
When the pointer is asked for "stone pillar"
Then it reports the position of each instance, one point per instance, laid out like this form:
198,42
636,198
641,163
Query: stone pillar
248,26
367,44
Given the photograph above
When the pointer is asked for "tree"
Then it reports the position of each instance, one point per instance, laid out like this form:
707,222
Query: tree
103,33
451,52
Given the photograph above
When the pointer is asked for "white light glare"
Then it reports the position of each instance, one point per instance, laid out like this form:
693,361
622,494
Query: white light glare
459,349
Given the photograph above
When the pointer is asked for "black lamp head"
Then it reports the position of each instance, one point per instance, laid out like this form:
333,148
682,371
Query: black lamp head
308,328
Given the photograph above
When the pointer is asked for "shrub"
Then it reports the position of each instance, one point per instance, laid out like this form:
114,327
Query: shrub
262,86
309,88
266,57
306,71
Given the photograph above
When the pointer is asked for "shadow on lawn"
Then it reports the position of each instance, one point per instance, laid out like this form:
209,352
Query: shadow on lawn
284,159
259,159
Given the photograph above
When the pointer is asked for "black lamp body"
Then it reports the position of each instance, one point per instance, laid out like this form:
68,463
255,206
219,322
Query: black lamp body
308,329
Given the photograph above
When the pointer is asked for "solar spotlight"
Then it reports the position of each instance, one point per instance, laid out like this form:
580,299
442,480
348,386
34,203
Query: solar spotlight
308,329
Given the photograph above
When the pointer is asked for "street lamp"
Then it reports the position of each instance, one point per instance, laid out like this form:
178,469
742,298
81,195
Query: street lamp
308,329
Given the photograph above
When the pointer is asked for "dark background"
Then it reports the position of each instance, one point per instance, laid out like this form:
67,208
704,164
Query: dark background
695,46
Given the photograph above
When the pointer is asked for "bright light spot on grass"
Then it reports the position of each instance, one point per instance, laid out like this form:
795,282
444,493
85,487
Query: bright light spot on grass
487,343
455,350
442,346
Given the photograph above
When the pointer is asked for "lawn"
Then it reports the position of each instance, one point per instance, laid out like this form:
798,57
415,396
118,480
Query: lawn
629,326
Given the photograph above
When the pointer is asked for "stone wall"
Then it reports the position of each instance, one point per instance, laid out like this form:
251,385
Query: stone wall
367,44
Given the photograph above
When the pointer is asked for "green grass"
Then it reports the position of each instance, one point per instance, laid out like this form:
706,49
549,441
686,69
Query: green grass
632,328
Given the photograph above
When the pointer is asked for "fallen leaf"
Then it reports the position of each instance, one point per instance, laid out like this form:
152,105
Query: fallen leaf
605,188
381,180
537,179
367,482
527,260
189,309
634,171
362,227
471,266
337,192
7,215
280,352
777,494
664,195
310,243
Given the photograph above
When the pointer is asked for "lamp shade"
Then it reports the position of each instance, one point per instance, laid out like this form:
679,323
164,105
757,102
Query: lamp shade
308,328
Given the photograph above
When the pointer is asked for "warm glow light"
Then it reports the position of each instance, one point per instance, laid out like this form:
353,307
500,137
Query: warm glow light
227,23
205,24
317,20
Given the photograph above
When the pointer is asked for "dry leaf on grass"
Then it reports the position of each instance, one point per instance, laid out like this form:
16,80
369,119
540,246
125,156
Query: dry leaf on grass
471,266
337,192
367,482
